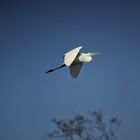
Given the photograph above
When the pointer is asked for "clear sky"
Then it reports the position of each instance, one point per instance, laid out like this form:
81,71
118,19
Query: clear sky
33,39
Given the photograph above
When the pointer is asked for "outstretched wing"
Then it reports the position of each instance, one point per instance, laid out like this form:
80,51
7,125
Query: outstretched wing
71,55
75,69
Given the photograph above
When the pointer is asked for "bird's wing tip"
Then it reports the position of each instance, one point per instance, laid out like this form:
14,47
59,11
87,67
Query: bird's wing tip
80,47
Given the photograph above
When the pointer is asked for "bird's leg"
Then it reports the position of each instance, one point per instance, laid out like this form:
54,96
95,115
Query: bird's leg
51,70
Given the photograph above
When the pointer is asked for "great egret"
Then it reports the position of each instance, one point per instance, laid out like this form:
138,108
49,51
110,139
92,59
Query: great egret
74,59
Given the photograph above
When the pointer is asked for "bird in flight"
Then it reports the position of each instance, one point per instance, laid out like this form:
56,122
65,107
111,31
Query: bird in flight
74,59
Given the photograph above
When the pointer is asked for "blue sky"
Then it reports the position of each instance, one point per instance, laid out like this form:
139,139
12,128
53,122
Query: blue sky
34,37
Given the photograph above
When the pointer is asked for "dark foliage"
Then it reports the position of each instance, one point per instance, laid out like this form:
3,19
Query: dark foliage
80,127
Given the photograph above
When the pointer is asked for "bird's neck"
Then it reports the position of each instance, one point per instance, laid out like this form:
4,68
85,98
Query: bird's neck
85,57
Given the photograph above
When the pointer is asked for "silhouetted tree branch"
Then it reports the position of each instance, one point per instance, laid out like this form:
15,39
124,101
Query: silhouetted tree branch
80,127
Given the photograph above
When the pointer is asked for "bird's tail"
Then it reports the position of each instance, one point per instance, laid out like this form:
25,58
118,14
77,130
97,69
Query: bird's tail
51,70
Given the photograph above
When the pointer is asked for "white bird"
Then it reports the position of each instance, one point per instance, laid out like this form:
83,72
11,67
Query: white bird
74,59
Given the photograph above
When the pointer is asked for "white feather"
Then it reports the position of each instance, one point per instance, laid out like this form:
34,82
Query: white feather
71,55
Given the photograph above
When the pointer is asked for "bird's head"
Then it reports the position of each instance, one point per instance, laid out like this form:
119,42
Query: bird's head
94,53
